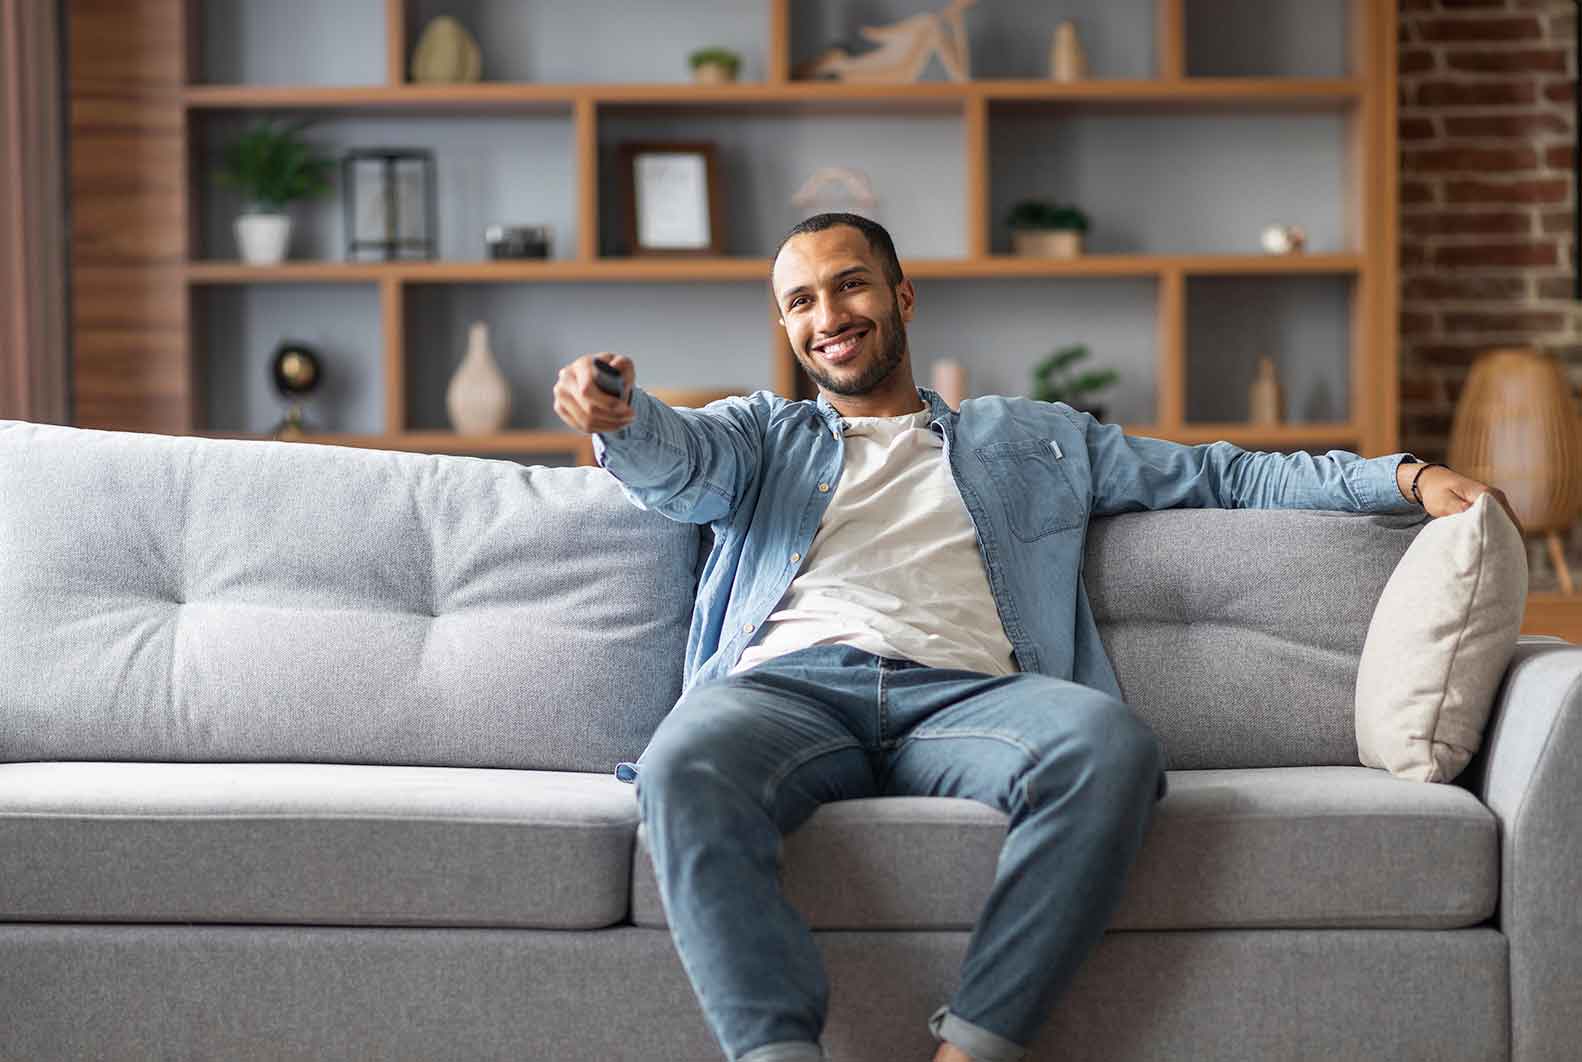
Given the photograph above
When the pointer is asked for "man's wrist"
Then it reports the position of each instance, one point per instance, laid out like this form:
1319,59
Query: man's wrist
1403,478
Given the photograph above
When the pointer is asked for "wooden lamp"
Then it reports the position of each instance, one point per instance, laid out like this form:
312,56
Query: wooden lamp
1517,428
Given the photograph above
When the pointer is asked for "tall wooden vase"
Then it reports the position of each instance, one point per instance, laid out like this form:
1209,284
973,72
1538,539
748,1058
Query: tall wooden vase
1516,427
478,398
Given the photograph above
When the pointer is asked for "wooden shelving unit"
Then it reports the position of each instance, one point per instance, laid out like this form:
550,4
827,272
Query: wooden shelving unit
1364,99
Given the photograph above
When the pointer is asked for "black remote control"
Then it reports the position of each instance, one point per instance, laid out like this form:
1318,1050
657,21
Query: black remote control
609,379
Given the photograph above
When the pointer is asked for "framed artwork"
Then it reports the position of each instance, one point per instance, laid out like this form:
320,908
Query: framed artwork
674,202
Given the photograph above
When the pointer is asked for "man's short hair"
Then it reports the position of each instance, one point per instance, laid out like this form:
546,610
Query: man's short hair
878,239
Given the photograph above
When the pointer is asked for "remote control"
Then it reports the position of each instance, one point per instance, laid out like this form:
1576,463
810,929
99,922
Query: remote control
609,379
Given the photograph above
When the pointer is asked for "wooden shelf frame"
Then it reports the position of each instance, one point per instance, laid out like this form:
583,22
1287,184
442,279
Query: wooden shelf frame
1364,97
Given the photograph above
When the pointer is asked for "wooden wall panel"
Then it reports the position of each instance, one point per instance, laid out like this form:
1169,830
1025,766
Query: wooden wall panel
128,183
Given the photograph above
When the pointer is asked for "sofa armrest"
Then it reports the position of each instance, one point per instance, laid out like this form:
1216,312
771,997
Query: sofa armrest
1528,774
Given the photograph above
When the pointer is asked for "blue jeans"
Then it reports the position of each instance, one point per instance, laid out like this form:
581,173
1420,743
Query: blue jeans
743,760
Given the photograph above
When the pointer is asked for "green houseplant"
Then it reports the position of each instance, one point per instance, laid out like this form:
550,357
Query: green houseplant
1057,379
271,165
1044,228
713,65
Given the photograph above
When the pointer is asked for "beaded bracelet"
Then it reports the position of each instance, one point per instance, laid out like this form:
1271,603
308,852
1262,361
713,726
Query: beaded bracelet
1418,498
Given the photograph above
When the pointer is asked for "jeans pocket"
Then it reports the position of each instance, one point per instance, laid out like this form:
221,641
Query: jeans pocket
1033,487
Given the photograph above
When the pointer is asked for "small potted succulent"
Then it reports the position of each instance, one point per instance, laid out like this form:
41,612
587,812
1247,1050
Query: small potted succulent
1055,380
272,167
714,66
1042,228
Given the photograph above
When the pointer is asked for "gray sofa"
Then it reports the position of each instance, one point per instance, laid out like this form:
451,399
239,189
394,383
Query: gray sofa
306,753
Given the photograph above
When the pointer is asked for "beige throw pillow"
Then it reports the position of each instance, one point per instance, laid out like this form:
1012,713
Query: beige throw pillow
1441,636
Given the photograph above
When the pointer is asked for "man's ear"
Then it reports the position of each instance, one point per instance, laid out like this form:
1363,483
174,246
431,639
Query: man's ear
906,295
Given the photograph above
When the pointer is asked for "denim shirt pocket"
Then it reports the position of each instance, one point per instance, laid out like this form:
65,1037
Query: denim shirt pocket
1033,486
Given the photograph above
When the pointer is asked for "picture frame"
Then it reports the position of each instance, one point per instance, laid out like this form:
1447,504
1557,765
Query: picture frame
673,199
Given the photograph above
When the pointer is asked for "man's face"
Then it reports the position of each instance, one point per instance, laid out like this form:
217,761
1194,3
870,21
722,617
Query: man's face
846,325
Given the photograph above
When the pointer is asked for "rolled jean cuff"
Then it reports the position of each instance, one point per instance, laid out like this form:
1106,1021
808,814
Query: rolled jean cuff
981,1044
785,1051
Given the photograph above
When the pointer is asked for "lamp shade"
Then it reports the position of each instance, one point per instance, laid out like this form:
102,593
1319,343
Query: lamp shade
1517,428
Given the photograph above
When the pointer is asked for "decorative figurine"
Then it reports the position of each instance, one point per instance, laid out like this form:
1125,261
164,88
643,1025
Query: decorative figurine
904,49
836,189
1284,239
1264,398
446,54
1067,62
296,372
478,398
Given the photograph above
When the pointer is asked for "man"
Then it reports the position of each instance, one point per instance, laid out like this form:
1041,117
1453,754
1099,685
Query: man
893,605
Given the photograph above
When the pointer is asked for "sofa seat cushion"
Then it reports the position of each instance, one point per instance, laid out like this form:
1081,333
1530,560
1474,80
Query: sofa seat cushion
1258,847
326,844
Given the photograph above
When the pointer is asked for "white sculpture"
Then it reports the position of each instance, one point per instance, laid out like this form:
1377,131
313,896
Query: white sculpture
905,48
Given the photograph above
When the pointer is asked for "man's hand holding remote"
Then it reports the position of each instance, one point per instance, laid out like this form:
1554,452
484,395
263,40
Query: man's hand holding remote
584,404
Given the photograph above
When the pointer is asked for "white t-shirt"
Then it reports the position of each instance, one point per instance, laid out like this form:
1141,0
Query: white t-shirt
895,568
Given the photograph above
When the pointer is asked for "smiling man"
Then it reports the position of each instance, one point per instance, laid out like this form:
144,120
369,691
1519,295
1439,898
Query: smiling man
893,606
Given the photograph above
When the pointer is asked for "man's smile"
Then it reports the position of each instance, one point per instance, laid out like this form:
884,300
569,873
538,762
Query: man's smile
842,346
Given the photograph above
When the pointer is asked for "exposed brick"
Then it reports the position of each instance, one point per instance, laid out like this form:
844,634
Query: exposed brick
1419,389
1416,61
1417,129
1558,156
1555,223
1452,5
1414,193
1469,159
1408,6
1438,286
1516,61
1453,354
1426,423
1561,287
1523,126
1476,93
1562,26
1413,254
1490,255
1498,28
1509,321
1417,323
1531,190
1467,223
1560,91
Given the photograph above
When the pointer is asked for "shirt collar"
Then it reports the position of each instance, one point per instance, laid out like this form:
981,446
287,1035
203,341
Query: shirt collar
938,408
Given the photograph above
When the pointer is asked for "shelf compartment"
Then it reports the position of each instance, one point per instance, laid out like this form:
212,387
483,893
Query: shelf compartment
516,169
1266,38
288,42
1302,322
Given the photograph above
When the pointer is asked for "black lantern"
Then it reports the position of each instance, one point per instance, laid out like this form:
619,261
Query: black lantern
389,200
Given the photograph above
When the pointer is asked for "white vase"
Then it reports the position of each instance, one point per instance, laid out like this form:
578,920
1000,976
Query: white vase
262,239
478,398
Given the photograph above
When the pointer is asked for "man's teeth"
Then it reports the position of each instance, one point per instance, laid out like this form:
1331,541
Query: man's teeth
843,346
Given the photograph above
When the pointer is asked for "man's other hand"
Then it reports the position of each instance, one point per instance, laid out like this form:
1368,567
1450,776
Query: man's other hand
580,402
1446,492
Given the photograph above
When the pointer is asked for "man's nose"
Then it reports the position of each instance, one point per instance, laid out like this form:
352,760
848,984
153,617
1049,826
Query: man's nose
826,318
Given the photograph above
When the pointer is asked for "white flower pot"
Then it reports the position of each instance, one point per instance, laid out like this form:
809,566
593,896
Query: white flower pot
263,238
712,74
1047,243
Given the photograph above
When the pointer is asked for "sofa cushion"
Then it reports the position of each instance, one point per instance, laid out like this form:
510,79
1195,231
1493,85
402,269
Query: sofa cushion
1254,847
214,600
1442,636
325,844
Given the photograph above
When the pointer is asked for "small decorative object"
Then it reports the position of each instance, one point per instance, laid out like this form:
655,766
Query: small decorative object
949,378
903,52
1284,239
1264,397
389,200
836,189
1054,380
518,241
1045,229
1067,62
446,54
714,66
1516,427
674,202
271,166
296,372
478,398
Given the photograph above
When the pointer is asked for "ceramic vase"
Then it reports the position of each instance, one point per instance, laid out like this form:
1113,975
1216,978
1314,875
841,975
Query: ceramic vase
1264,398
262,239
478,398
1066,59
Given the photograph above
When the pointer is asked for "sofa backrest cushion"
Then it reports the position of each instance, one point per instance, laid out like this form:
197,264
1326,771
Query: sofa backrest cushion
1237,633
174,599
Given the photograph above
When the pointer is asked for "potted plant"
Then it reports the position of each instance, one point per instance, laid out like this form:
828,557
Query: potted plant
714,65
1055,380
1043,228
272,167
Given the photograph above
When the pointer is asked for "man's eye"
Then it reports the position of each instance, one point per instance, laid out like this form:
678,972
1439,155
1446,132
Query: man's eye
853,282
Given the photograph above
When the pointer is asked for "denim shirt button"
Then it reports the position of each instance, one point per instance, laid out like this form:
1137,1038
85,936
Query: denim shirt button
747,628
795,557
823,488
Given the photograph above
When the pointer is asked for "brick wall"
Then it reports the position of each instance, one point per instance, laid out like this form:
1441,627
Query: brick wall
1486,131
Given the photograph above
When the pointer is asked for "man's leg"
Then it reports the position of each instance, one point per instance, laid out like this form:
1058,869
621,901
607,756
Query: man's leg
734,766
1079,773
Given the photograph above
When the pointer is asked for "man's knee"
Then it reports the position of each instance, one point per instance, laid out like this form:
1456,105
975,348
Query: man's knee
1118,746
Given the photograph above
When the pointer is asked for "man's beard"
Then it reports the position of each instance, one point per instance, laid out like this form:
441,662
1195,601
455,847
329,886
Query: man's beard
890,357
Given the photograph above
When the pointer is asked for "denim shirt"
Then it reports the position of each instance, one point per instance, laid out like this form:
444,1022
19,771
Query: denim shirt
760,470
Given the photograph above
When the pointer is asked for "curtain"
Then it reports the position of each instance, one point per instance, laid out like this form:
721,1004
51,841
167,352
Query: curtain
34,373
